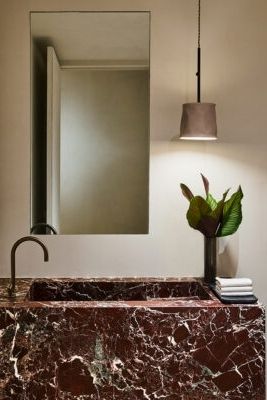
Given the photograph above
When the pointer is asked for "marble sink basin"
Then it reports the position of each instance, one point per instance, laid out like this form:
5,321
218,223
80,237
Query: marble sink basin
128,339
114,290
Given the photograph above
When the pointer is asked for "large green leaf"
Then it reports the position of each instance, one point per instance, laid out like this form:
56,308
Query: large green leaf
206,184
217,213
197,209
232,214
211,201
199,217
186,191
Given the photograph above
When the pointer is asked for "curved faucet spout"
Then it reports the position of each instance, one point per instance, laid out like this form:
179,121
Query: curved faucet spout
44,225
12,287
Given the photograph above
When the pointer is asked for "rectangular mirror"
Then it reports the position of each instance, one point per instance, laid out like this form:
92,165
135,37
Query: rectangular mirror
90,122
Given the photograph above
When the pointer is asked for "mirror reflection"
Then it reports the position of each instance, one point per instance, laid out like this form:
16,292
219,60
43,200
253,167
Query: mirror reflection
90,122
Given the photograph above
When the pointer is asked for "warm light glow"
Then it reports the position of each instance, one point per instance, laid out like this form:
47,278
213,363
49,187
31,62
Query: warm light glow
198,138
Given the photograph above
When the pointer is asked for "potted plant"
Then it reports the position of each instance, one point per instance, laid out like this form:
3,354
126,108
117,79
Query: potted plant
213,219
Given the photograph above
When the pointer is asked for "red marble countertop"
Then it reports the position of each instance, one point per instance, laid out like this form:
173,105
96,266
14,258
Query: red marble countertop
23,285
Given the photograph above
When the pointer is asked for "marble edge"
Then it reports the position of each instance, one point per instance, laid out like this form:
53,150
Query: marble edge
23,285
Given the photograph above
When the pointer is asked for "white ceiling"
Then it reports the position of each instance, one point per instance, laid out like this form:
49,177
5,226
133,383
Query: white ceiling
90,36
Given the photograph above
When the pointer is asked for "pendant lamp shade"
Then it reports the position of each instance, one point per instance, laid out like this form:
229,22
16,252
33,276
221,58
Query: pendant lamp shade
198,122
198,119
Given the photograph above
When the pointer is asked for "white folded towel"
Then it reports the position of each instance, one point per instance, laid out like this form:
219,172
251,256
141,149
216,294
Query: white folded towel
234,288
235,294
228,282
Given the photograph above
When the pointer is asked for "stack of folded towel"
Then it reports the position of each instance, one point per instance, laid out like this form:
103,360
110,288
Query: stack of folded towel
236,289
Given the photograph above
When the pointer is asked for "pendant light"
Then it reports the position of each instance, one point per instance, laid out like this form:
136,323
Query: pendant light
198,119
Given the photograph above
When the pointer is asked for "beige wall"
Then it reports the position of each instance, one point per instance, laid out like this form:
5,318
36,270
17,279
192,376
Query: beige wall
234,76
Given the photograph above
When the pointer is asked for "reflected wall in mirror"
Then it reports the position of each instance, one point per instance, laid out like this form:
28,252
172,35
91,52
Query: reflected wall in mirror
90,122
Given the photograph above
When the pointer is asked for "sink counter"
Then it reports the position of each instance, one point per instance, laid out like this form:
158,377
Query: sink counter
108,292
128,339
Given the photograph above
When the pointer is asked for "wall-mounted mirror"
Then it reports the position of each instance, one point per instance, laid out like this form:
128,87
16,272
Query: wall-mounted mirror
90,122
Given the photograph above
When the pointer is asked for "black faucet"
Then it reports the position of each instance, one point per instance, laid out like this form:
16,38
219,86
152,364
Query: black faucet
12,287
44,225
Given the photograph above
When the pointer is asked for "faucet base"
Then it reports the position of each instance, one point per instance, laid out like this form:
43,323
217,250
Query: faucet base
11,293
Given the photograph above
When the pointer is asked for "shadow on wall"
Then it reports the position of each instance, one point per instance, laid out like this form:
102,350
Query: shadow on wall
228,251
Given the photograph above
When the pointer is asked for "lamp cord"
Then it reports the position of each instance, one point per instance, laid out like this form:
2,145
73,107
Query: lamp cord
198,33
198,54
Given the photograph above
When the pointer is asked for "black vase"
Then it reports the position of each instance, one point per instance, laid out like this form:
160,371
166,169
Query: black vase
210,259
